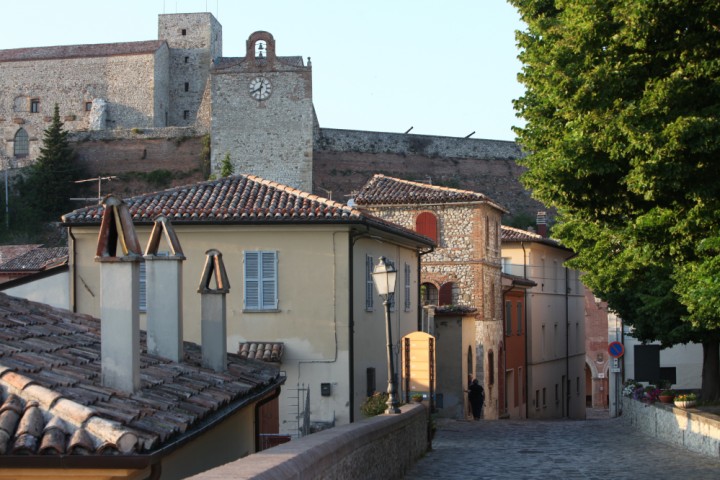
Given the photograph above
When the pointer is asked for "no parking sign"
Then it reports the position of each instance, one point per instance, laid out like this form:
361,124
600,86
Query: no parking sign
616,349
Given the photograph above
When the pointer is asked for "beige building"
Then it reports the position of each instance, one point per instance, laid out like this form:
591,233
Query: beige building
299,268
555,320
463,270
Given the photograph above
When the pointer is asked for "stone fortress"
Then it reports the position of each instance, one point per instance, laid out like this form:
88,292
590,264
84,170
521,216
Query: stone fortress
172,109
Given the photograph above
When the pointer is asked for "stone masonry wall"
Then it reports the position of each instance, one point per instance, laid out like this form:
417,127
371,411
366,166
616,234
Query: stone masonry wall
345,159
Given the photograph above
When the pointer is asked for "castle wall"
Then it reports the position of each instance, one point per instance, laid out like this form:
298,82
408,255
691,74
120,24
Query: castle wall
345,159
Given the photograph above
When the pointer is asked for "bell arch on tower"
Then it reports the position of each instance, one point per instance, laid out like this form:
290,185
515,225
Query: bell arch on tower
260,48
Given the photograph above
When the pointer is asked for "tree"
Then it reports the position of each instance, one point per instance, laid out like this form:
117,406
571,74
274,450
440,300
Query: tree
49,183
226,166
622,106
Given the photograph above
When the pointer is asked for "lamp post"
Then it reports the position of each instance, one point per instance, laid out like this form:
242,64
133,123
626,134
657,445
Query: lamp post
384,276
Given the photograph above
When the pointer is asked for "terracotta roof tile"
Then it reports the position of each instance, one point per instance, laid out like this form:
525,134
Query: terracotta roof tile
382,190
265,351
52,401
239,199
512,234
80,51
36,259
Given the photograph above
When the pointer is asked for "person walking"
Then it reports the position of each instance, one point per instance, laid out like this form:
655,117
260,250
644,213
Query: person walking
476,396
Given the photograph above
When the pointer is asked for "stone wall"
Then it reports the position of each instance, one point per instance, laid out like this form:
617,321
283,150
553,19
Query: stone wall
384,447
345,159
687,428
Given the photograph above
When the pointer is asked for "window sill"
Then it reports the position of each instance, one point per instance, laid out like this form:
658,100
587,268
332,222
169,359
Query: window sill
255,310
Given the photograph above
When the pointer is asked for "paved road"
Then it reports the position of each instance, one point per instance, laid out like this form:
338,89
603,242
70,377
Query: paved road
598,448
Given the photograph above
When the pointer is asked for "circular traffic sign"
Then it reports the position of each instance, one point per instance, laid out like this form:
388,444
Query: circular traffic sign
616,349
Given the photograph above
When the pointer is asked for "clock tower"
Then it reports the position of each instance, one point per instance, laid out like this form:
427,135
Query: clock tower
262,114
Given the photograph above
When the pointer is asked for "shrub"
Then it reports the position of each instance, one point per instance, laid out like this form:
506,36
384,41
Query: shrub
375,405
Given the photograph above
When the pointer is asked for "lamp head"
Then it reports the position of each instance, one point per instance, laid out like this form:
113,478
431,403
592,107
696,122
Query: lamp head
384,276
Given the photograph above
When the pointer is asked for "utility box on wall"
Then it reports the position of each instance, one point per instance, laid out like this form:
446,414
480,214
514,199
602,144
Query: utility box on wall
325,389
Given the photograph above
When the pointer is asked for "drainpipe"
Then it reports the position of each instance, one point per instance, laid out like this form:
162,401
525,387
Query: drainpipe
525,305
73,272
567,341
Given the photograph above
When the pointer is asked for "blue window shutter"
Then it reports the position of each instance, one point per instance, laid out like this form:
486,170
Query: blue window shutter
269,280
252,280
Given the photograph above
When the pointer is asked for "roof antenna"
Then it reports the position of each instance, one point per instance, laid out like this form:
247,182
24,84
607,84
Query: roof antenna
408,130
470,134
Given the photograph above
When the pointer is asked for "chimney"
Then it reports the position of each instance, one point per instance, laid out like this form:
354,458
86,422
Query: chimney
119,297
163,286
213,313
541,221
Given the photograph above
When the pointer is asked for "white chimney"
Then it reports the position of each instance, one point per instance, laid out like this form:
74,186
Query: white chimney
163,287
119,297
213,312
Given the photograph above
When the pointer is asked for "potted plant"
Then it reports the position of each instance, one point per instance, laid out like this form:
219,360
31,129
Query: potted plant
417,397
685,400
667,396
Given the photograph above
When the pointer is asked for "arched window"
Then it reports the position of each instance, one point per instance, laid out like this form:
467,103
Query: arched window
426,224
429,294
21,144
448,294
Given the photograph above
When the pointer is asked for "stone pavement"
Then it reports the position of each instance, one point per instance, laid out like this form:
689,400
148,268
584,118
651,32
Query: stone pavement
598,448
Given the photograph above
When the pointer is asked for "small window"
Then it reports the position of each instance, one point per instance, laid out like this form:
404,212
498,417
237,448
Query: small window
557,394
34,105
186,114
429,294
261,280
187,86
88,106
369,287
21,144
186,59
447,294
544,397
183,32
370,381
491,367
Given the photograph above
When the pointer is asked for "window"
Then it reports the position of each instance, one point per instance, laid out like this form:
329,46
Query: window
183,32
544,397
21,143
261,280
519,318
407,287
187,86
447,295
508,318
557,394
186,59
429,294
34,105
370,381
537,398
369,287
491,367
487,232
186,114
426,224
88,106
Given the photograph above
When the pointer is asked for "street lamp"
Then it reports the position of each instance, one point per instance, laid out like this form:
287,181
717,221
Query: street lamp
384,276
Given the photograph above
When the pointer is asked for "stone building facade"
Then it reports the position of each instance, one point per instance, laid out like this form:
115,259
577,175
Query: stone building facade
117,96
464,269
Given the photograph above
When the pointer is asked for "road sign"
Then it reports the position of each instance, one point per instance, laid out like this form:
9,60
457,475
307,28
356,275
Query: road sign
616,349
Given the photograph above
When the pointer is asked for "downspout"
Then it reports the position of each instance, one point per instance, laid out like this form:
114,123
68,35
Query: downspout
525,305
567,342
354,237
73,272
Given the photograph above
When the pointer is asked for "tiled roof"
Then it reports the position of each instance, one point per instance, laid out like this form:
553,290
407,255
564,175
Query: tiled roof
239,199
382,190
36,260
8,252
52,401
265,351
80,51
512,234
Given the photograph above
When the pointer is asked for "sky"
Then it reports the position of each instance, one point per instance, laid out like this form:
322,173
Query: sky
444,68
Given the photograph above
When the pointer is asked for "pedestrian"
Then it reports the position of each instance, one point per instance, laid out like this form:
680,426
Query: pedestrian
476,396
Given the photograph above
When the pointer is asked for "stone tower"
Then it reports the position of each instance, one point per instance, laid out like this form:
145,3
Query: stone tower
262,114
195,40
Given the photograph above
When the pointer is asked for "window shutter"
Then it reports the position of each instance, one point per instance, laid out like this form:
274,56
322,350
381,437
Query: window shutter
252,280
426,224
369,283
407,287
269,280
143,287
446,294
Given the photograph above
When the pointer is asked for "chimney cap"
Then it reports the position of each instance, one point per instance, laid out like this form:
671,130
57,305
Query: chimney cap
214,264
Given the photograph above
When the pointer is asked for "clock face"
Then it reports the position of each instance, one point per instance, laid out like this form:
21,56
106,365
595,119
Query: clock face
260,88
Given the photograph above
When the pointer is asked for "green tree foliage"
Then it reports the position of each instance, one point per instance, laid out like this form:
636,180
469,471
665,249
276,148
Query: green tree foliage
49,184
226,166
622,106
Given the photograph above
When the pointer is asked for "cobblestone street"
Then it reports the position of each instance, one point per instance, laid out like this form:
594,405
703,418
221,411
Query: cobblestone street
598,448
